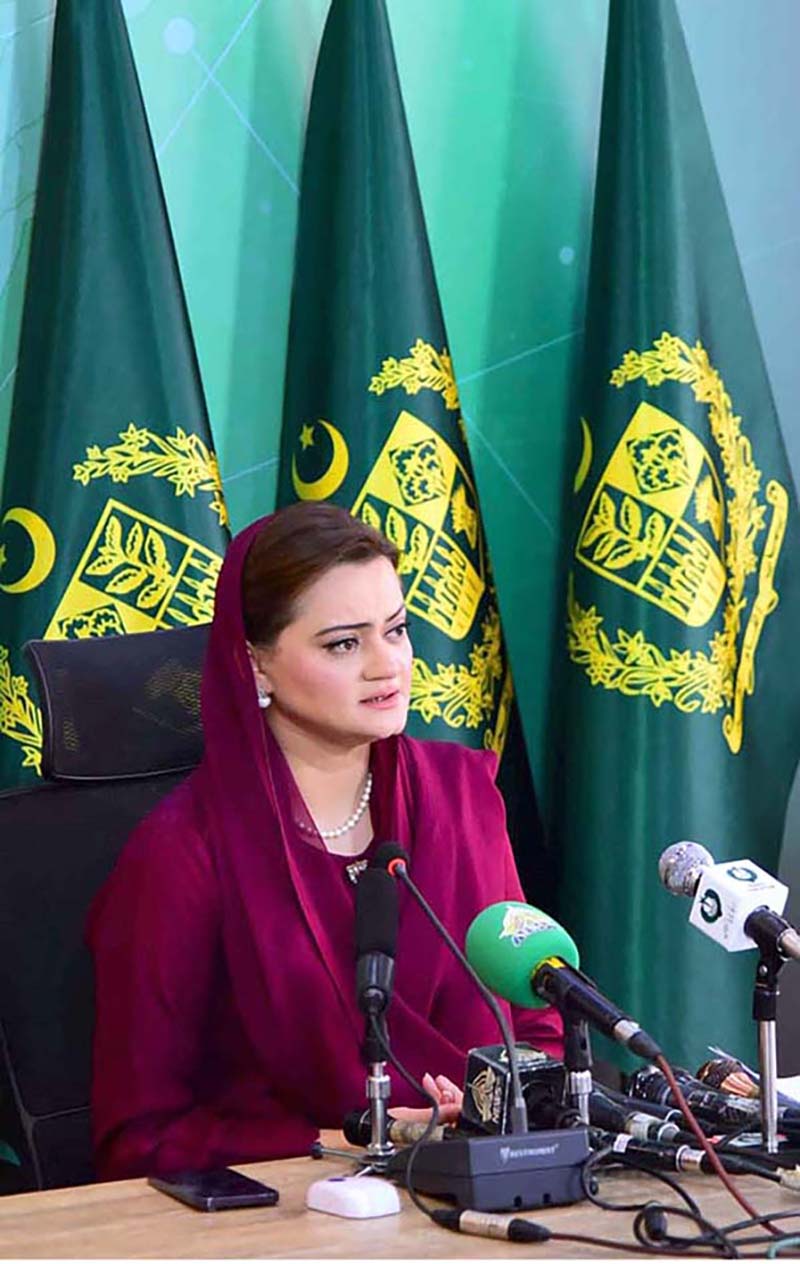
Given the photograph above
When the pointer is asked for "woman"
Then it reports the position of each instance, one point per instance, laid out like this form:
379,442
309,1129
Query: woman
227,1026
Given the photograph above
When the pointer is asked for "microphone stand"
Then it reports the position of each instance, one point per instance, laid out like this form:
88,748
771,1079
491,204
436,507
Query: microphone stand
375,1157
765,997
578,1062
379,1088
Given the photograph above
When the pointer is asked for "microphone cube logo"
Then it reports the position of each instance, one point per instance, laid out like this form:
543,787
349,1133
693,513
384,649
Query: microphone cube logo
727,894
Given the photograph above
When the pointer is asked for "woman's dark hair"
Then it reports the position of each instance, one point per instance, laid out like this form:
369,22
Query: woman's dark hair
297,545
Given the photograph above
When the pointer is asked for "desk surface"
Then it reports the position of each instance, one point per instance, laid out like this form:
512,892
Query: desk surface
128,1218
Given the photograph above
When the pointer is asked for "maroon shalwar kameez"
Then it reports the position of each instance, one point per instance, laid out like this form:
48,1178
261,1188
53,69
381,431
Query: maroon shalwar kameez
227,1027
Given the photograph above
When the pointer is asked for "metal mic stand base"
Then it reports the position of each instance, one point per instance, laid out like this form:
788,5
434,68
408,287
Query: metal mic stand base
765,998
360,1158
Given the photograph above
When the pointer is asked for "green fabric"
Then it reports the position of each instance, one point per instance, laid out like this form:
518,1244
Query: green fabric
112,515
372,418
676,516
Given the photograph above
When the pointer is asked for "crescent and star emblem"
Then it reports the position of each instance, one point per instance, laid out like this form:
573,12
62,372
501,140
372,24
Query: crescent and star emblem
44,550
330,481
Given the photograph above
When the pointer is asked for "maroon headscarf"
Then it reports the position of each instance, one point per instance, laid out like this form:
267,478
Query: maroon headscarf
283,905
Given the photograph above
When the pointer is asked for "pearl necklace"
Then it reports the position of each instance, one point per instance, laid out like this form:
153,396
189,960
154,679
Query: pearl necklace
352,820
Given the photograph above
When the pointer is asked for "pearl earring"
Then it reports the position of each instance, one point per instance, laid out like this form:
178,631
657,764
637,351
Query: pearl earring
264,700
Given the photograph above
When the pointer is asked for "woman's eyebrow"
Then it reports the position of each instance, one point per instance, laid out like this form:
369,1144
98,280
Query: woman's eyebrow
350,627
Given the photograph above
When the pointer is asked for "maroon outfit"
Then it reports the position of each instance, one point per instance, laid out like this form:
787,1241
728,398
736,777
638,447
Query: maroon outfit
227,1025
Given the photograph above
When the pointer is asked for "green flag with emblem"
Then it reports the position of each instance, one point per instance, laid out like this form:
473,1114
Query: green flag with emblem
112,518
371,418
681,709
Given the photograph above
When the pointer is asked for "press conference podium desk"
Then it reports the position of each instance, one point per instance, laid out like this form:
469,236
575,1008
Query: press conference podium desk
129,1219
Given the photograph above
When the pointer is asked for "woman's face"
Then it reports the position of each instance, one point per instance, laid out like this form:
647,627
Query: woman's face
341,671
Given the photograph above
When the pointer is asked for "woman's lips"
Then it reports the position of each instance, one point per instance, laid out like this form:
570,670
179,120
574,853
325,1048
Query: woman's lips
382,702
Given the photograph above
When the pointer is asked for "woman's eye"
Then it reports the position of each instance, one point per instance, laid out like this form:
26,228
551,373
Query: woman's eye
399,632
344,646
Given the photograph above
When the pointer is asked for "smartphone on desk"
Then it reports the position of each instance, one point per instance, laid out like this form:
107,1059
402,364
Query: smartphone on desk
219,1189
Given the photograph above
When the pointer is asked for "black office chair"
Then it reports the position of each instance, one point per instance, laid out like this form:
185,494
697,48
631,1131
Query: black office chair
121,719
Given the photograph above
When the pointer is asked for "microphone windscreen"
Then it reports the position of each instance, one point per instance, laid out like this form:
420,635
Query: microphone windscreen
386,853
506,943
376,913
680,866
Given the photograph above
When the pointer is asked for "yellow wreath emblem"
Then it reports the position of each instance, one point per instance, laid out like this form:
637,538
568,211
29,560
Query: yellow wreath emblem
720,677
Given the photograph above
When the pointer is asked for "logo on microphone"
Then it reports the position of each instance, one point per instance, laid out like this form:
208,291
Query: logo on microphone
520,921
742,873
710,906
486,1092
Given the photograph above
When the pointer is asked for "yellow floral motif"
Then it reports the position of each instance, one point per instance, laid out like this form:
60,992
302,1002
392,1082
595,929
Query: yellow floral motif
139,562
463,516
636,668
182,459
617,544
707,508
20,718
694,679
423,367
460,695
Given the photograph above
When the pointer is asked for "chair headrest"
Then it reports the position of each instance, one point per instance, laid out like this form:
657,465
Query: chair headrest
120,706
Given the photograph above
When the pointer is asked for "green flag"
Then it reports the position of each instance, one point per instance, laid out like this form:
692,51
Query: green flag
112,518
372,419
680,702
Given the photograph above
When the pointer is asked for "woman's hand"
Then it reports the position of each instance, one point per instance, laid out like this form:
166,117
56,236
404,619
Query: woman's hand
448,1097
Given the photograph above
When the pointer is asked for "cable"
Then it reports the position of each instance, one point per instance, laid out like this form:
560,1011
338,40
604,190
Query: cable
708,1149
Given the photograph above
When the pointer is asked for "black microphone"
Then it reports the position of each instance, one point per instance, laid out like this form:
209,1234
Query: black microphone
657,1157
394,860
488,1089
376,940
357,1128
610,1115
667,1114
651,1084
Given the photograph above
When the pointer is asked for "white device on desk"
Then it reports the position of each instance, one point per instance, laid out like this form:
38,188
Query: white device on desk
357,1197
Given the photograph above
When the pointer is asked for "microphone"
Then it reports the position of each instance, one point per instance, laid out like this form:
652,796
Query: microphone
612,1117
488,1088
731,1076
509,1171
736,903
655,1157
357,1128
376,940
528,959
732,1112
665,1114
394,860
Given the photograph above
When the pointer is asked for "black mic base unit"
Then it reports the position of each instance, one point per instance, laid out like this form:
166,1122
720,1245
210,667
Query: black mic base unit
499,1173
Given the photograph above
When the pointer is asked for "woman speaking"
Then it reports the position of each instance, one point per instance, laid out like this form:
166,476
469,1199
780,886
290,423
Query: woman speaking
227,1024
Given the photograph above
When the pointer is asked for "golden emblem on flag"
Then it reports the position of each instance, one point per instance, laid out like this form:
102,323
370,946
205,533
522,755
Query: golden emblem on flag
654,523
409,494
664,525
183,459
136,575
422,496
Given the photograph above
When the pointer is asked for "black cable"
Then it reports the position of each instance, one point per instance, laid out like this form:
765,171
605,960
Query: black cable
712,1235
629,1161
713,1239
432,1122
